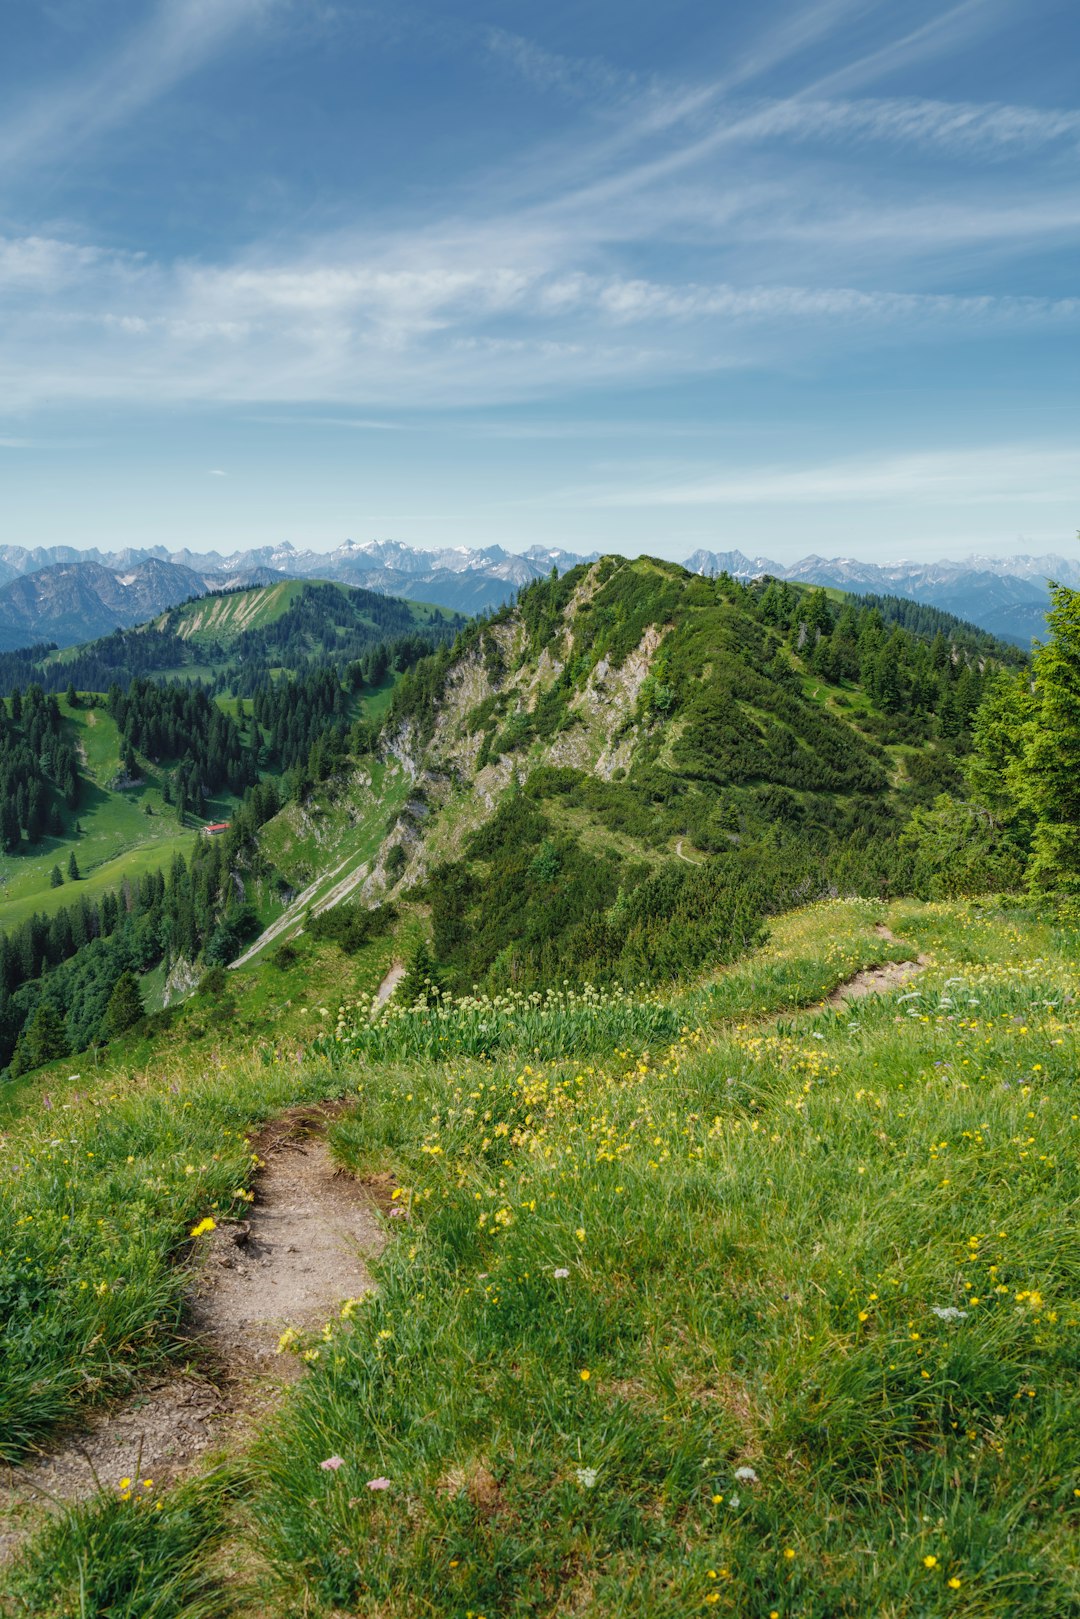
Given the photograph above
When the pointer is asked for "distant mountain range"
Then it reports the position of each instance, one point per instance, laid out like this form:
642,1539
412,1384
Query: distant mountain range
69,602
1007,595
58,593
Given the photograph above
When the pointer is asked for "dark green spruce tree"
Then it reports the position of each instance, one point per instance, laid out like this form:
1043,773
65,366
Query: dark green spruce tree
125,1007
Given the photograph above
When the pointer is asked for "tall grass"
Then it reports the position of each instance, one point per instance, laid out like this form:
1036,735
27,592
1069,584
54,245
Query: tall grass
99,1188
755,1319
558,1023
843,1257
809,955
139,1556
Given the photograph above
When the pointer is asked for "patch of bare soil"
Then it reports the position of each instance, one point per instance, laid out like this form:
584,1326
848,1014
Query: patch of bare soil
390,983
291,1264
877,980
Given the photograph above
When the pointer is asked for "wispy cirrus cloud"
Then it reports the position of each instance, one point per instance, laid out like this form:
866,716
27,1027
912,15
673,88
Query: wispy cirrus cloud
638,300
1032,473
523,287
943,34
421,322
967,128
575,76
177,38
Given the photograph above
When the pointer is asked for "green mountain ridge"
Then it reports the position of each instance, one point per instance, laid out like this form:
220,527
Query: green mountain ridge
236,638
618,778
631,720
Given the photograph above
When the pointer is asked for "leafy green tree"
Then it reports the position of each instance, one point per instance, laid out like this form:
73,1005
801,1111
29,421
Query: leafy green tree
10,827
56,878
230,935
815,614
1001,733
125,1007
1050,770
73,868
544,865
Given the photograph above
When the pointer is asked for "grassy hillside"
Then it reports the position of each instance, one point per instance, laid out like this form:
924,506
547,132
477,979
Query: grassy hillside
619,779
239,639
772,1314
723,1248
219,619
561,771
125,832
265,635
578,757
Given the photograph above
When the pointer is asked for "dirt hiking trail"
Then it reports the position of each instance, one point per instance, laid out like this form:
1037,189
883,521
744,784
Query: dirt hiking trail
292,1263
877,980
390,983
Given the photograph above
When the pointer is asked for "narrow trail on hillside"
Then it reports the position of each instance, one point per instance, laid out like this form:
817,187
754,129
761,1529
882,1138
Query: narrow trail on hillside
292,1263
302,1252
341,890
390,983
877,980
289,917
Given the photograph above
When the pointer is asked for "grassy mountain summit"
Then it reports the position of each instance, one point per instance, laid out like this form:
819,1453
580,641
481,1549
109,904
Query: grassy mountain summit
234,638
631,745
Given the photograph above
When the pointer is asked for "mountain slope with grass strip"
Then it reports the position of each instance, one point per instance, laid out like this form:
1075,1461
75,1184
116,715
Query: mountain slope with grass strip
622,775
236,640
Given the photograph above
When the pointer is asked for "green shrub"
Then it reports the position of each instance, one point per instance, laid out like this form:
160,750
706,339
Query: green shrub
351,925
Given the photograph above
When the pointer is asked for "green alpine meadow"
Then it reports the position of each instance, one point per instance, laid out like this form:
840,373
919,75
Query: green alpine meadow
647,1017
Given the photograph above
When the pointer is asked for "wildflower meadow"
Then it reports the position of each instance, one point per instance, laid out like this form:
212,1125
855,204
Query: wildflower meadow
762,1310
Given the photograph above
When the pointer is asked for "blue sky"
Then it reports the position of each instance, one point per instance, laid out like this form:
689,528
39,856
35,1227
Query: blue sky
794,276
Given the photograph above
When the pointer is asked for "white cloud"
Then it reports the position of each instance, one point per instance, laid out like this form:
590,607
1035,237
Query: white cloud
423,320
535,282
638,300
961,476
969,128
216,472
574,76
942,35
178,37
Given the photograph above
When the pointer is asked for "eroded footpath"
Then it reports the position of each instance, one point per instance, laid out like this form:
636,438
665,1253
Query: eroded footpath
304,1249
